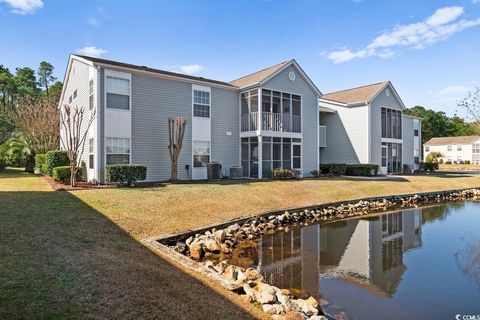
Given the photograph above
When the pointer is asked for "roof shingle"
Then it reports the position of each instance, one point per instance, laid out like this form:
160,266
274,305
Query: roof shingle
441,141
356,95
257,77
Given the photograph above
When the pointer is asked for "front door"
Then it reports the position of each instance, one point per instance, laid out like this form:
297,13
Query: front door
297,156
384,168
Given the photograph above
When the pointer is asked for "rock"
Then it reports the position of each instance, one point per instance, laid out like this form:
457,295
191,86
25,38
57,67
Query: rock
318,318
196,250
306,308
313,302
233,228
231,272
293,315
241,277
272,308
252,274
264,293
246,298
189,241
220,235
225,249
286,292
212,245
248,291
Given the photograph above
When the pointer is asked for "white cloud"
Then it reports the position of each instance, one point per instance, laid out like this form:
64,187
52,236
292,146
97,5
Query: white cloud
91,51
98,17
24,6
475,1
451,94
192,68
94,22
439,26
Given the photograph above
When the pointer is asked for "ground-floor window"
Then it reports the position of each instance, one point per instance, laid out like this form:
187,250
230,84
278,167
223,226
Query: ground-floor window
276,153
201,153
118,151
90,153
392,157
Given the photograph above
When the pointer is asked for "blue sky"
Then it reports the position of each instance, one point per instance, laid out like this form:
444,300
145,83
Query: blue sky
429,49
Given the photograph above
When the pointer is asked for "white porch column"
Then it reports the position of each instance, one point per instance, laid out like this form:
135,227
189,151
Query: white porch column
260,159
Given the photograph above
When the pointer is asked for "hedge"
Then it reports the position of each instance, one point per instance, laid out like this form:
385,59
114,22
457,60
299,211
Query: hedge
125,174
280,173
62,174
333,169
2,165
362,170
429,166
56,158
40,161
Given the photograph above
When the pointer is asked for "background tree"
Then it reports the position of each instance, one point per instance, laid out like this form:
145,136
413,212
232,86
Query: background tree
434,157
20,146
471,105
55,91
72,137
45,76
176,131
25,84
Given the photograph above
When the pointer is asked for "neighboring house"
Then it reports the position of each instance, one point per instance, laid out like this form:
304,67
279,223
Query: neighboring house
367,125
268,119
455,149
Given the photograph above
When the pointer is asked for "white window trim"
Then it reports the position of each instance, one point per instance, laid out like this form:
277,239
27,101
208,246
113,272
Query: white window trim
204,89
209,154
129,148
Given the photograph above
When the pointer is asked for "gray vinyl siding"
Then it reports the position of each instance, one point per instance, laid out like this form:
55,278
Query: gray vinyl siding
407,133
225,117
154,100
339,147
309,114
347,134
78,80
376,127
101,119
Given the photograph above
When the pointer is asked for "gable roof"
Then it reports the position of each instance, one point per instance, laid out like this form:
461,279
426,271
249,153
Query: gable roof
262,76
259,76
363,94
158,71
441,141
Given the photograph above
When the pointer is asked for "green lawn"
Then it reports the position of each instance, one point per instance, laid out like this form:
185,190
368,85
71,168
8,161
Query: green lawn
79,254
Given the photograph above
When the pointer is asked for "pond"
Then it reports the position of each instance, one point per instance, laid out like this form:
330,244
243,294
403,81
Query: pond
413,264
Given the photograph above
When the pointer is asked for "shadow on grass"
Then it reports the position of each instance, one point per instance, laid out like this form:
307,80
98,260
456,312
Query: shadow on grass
60,258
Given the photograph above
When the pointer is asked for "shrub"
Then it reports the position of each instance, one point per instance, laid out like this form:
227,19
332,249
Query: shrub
2,165
362,170
315,173
280,173
467,161
333,169
62,174
429,166
40,161
44,168
125,174
448,162
56,158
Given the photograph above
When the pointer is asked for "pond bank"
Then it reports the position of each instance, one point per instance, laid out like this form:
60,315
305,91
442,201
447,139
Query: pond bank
216,242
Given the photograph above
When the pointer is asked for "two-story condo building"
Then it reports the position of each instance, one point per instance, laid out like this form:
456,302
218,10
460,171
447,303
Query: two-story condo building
273,118
455,149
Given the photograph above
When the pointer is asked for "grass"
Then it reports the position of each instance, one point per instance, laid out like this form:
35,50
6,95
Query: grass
78,254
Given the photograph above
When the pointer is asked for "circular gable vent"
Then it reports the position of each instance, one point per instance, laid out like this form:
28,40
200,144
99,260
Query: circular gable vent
291,76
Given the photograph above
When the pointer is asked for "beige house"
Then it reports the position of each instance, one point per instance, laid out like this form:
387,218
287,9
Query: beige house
455,149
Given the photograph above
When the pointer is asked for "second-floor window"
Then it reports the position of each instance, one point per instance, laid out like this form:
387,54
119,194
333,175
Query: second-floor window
201,103
391,123
118,93
449,148
459,147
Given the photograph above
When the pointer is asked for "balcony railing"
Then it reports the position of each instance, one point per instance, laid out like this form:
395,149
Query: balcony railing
272,122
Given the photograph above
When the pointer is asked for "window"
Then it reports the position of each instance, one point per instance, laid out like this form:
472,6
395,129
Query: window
91,155
91,98
75,94
201,153
427,149
415,132
90,102
118,151
70,99
459,147
118,93
201,103
449,148
90,87
391,121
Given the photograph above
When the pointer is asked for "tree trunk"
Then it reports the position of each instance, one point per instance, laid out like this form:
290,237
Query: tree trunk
30,164
73,175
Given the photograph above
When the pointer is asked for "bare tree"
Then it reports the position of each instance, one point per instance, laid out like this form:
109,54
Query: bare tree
75,123
471,105
176,131
38,119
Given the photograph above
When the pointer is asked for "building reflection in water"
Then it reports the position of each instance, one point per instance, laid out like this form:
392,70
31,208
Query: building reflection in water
365,252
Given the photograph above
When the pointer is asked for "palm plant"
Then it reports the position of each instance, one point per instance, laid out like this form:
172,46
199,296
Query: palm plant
23,145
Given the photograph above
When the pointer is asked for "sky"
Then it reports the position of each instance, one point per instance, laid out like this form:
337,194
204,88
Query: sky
430,50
